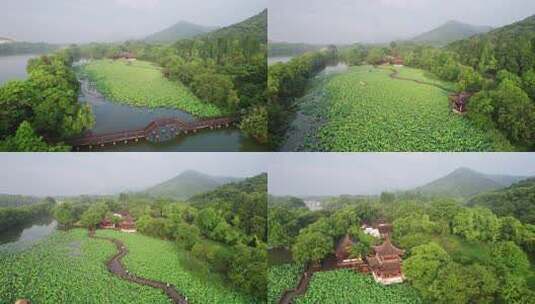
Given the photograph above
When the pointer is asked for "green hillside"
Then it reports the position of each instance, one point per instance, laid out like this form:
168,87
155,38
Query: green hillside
181,30
449,32
465,182
231,191
517,200
188,184
285,201
255,26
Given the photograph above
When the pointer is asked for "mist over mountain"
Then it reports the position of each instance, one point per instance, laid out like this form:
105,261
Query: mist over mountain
465,182
180,30
188,184
449,32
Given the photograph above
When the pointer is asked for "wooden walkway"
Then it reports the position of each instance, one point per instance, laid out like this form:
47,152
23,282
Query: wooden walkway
116,267
159,130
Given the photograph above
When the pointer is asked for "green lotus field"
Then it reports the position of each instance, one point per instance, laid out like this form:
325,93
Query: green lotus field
349,287
69,267
142,84
370,111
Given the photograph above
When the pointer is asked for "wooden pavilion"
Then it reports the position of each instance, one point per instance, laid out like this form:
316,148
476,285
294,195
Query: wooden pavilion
385,265
459,102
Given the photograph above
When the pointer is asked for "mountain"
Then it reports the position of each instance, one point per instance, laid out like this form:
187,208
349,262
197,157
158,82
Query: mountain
517,200
465,182
188,184
181,30
255,26
449,32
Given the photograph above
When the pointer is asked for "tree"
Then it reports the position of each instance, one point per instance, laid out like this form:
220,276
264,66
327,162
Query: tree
528,83
311,247
187,235
16,99
515,112
476,224
63,213
469,80
511,229
488,63
423,266
93,215
26,140
255,124
215,88
387,197
207,220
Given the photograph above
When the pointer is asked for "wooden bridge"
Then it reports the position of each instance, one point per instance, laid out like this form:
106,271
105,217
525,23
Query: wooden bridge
159,130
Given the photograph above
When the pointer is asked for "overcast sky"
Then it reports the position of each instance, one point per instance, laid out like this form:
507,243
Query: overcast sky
305,174
351,21
56,174
76,21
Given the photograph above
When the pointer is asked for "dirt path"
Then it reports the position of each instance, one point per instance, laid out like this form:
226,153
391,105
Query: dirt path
116,267
395,75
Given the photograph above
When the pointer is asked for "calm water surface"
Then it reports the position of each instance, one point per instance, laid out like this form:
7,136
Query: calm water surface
22,237
13,67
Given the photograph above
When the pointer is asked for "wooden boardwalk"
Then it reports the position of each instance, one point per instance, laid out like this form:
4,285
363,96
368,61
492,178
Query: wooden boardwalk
159,130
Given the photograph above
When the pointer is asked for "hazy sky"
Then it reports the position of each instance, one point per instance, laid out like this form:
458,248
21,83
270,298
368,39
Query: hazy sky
350,21
62,21
303,174
53,174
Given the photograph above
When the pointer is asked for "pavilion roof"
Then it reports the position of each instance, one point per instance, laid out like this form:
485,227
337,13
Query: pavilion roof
387,248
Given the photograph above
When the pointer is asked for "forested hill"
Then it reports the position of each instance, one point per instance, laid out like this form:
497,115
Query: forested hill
19,48
449,32
255,26
231,191
465,182
285,201
513,46
188,184
181,30
517,200
11,200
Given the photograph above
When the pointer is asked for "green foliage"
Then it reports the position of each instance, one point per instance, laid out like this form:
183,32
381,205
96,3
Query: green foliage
63,213
517,200
26,140
142,84
281,278
92,216
16,216
346,286
476,224
423,266
312,247
161,260
68,267
255,124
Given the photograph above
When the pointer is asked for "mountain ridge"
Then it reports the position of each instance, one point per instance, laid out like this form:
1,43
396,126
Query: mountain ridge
466,182
180,30
449,32
187,184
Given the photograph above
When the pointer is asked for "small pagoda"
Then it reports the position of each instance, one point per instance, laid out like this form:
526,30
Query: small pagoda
385,265
459,101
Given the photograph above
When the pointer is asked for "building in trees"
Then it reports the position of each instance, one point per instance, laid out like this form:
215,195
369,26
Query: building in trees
106,223
127,224
344,257
385,265
371,231
459,101
125,55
